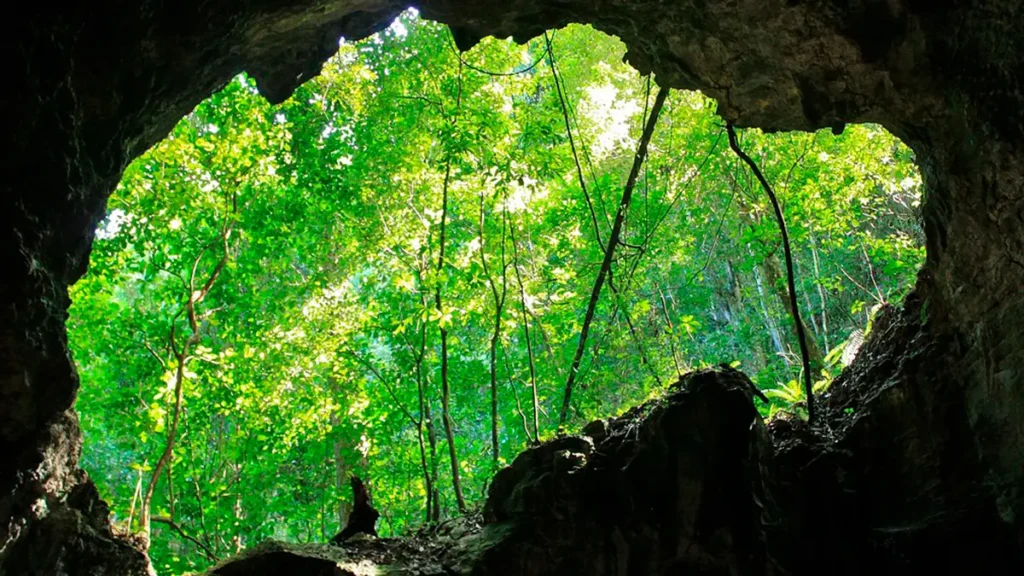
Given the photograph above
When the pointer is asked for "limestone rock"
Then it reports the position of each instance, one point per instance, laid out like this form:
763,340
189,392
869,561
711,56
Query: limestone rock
675,485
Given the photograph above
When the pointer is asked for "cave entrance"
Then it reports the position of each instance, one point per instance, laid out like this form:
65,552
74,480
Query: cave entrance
268,288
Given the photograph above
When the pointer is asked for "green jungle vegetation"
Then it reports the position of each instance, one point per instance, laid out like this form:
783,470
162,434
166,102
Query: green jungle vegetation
389,275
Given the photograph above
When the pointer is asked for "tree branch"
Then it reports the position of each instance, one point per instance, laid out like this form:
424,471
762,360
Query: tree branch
174,526
613,240
794,304
572,143
163,363
380,377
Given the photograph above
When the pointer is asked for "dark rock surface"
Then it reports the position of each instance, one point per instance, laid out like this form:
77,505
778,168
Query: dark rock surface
423,554
379,558
676,486
896,481
88,86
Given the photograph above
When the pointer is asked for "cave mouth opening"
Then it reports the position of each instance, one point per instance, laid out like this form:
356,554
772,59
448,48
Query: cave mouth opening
265,289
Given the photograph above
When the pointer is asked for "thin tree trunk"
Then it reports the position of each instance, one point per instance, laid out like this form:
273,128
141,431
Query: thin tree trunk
434,505
195,484
769,321
428,480
515,394
734,301
182,355
794,306
526,330
445,384
773,277
339,481
812,317
499,305
613,240
545,341
433,490
165,456
671,332
136,495
339,461
821,292
644,359
425,420
236,509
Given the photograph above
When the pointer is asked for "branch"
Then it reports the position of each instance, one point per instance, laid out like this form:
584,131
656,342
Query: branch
869,293
714,242
632,330
369,365
434,103
794,304
526,332
572,143
172,340
871,271
163,363
458,55
206,550
515,393
609,253
686,184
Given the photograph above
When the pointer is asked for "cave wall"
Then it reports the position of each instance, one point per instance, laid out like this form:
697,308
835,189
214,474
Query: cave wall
89,87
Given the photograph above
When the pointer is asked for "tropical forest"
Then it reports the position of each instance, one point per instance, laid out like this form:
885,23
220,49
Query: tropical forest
429,260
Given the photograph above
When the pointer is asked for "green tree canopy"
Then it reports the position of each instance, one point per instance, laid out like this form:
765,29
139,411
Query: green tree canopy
268,309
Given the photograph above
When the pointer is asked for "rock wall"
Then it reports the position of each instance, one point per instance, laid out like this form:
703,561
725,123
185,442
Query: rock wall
891,482
676,486
897,480
88,87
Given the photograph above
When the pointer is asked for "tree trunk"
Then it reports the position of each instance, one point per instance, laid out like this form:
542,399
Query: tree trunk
671,332
339,472
182,355
773,277
446,412
525,317
433,512
794,304
633,332
609,253
434,502
145,517
769,320
429,472
821,292
363,519
499,305
734,294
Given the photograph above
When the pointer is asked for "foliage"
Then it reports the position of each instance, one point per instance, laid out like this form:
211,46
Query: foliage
318,347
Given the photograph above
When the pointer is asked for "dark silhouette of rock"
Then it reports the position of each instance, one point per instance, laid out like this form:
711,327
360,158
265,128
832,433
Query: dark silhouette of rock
675,486
278,558
363,517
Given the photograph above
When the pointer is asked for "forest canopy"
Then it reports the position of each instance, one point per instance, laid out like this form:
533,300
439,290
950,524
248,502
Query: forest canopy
389,274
